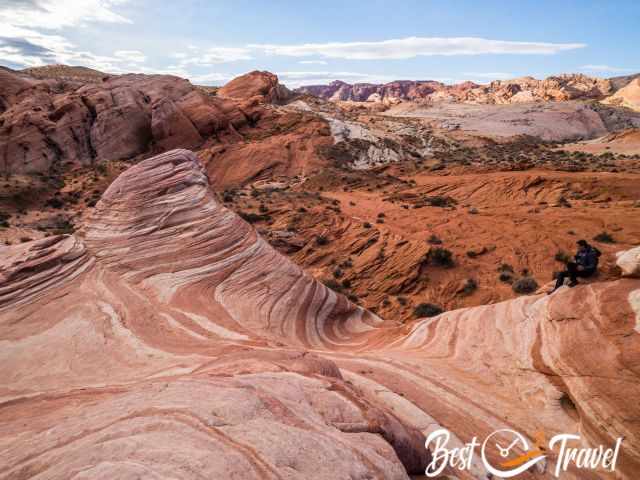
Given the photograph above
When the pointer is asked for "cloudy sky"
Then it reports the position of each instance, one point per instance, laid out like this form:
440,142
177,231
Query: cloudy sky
315,42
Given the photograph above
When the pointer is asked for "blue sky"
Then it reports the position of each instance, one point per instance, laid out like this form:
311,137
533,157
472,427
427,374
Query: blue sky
209,42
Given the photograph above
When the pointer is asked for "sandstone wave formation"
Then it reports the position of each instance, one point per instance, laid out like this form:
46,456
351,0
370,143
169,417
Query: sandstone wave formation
167,339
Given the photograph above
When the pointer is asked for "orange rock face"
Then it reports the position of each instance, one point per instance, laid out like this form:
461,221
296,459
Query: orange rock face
168,339
53,124
263,85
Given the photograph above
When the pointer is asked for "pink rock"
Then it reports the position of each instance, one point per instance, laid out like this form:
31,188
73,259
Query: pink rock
168,339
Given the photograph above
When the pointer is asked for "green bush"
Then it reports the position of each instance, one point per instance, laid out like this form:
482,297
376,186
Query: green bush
506,277
332,284
322,240
525,285
427,310
562,257
441,257
604,237
253,217
434,240
469,287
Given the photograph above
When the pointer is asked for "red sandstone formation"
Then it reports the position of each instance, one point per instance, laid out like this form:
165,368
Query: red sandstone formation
168,339
361,92
526,89
52,123
261,85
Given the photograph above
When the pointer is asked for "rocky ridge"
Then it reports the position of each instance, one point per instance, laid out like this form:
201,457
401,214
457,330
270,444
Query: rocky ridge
519,90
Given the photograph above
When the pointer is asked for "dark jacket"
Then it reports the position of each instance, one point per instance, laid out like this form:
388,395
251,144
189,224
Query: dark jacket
588,258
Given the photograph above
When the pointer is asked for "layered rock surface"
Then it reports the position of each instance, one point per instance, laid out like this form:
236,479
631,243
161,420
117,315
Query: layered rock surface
628,96
168,339
261,85
51,123
519,90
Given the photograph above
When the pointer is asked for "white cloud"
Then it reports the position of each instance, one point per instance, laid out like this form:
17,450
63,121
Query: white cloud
214,55
312,62
297,79
212,78
605,68
175,70
58,14
132,56
410,47
26,36
491,75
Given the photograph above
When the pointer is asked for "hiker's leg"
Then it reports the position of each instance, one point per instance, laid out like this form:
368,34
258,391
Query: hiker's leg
572,270
584,273
560,279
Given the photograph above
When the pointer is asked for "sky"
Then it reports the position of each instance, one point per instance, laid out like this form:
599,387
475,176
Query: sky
210,42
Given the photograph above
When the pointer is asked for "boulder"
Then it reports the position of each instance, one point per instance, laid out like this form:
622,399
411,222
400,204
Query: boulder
629,262
263,85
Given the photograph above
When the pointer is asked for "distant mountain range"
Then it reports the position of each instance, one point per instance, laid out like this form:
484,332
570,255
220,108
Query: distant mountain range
524,89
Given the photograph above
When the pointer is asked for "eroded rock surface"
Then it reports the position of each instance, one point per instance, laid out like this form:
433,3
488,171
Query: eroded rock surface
47,124
628,96
168,340
629,262
518,90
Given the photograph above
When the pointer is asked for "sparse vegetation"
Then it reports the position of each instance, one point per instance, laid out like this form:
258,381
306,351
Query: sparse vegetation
55,203
506,277
440,201
322,240
441,257
227,196
434,240
604,237
427,310
525,285
252,217
505,267
506,273
346,264
4,220
562,257
332,284
469,287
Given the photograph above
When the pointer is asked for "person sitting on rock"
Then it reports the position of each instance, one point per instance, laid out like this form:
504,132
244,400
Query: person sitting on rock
585,265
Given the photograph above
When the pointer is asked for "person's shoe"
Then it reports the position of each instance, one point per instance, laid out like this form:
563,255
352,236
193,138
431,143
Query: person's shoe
572,284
